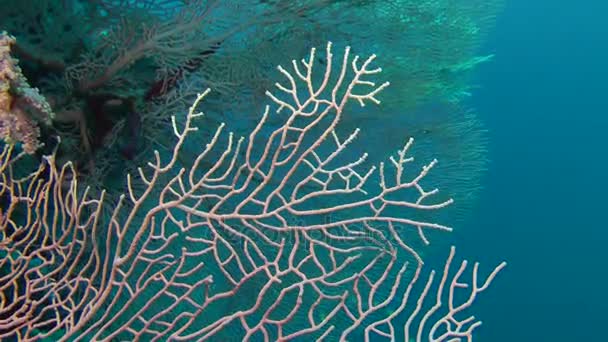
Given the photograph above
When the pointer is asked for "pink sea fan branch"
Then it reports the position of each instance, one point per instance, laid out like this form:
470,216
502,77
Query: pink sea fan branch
282,236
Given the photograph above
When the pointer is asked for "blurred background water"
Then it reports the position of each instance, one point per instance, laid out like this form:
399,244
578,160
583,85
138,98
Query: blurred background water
544,205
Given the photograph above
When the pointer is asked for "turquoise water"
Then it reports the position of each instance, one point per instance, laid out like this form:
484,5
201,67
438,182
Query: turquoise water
544,207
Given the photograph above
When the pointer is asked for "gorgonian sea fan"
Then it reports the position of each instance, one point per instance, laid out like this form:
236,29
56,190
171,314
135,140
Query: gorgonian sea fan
285,235
114,71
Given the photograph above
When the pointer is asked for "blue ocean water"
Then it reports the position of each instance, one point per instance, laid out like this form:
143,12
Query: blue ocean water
544,205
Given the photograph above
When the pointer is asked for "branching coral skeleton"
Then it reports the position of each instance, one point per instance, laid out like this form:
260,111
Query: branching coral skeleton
284,236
